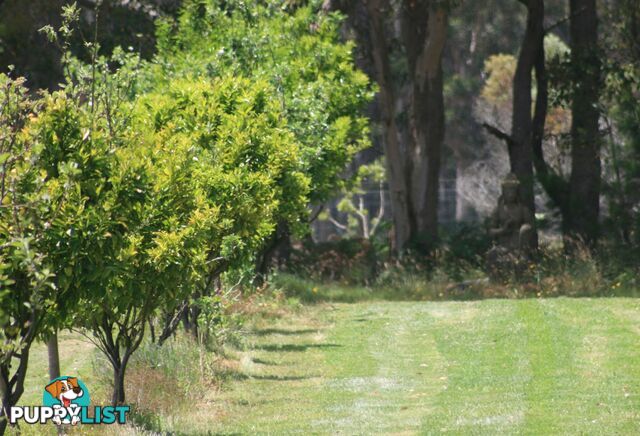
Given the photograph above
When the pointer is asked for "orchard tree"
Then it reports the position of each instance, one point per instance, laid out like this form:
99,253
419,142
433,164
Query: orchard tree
298,51
245,168
26,290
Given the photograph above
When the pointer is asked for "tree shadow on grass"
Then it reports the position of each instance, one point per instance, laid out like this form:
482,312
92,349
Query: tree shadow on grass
264,362
274,331
281,377
292,347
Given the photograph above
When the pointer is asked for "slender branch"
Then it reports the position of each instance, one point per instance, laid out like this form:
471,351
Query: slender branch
315,214
499,134
375,223
337,223
360,211
561,21
172,324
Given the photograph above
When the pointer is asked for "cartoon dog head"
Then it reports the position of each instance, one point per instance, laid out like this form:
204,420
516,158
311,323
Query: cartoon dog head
65,390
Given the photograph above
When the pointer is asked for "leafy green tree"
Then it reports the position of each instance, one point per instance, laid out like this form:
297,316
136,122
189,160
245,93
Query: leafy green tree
26,290
299,53
245,166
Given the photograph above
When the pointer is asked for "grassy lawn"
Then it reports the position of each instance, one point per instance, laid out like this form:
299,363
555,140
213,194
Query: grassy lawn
539,366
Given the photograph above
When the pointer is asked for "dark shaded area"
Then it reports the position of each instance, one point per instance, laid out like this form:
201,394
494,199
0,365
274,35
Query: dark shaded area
264,362
276,331
280,377
293,347
129,24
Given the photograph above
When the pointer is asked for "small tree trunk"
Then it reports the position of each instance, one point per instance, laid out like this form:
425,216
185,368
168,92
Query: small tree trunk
171,322
118,395
11,393
277,247
128,338
190,320
6,399
54,356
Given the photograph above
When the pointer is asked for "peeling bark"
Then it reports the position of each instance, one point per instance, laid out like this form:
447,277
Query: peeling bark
396,171
424,31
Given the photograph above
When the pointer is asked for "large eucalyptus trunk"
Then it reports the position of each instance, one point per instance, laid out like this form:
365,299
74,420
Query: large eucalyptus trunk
413,169
395,157
424,29
522,128
585,148
525,129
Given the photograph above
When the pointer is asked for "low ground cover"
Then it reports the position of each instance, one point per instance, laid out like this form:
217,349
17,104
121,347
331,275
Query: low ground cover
493,367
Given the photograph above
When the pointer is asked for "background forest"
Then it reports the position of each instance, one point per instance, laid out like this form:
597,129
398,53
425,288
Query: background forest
175,173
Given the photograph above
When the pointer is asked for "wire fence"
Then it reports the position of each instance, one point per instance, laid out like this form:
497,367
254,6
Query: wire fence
325,230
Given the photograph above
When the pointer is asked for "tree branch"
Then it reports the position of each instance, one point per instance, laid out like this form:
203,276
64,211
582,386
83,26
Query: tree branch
315,214
499,134
561,21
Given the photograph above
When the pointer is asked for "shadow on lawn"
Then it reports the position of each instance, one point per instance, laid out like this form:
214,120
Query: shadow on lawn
281,377
274,331
292,347
264,362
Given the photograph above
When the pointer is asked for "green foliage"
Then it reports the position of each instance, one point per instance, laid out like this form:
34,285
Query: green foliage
297,53
462,249
347,261
622,111
26,289
242,161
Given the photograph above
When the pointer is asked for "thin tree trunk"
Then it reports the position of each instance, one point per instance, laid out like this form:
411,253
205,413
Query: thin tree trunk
118,394
585,177
118,350
556,187
54,356
5,392
4,415
12,387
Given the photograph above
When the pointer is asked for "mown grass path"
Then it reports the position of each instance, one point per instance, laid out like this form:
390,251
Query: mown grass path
561,366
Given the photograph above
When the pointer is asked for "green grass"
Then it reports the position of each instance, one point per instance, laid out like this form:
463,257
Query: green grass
538,366
534,366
